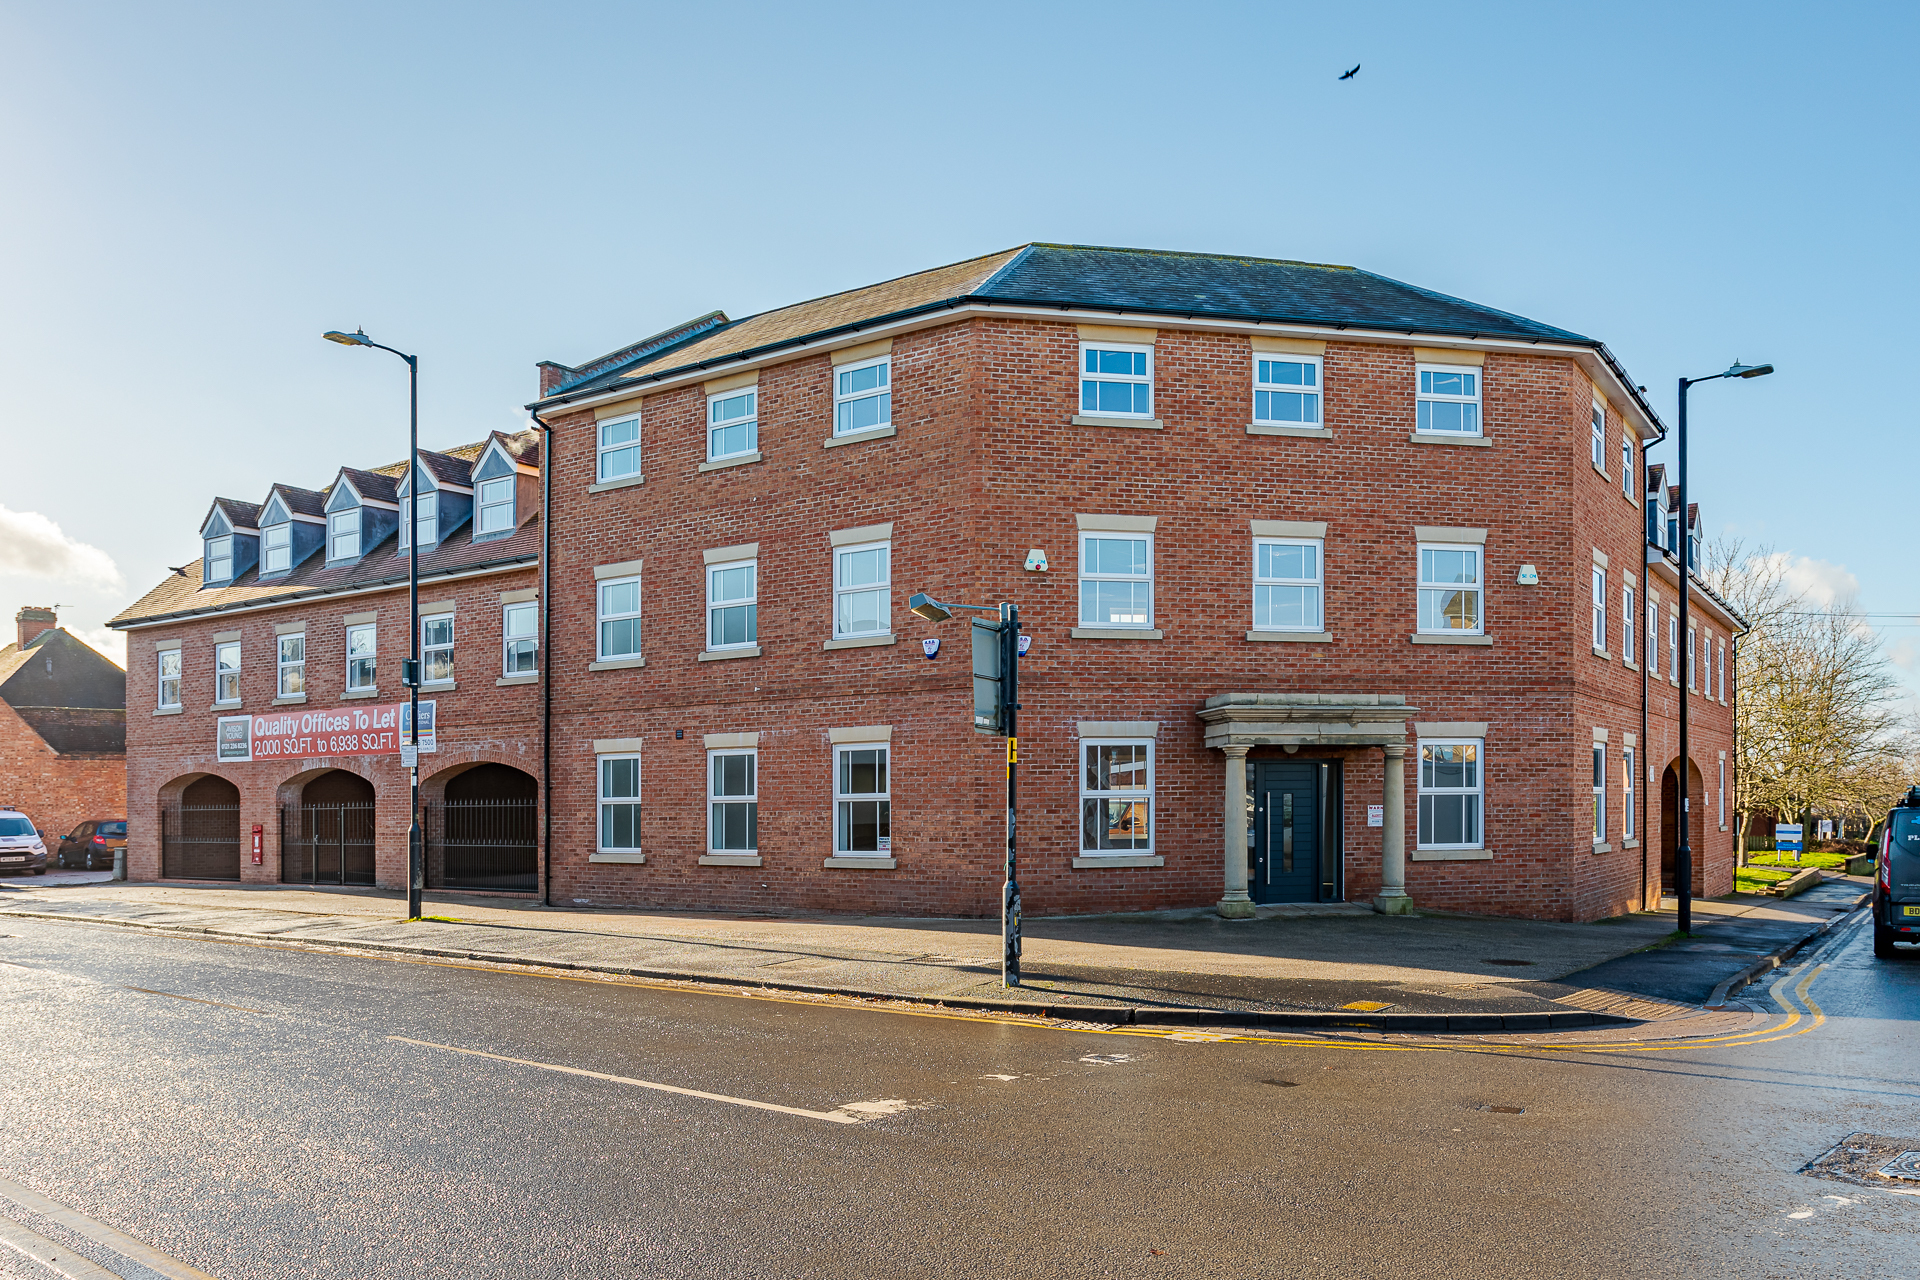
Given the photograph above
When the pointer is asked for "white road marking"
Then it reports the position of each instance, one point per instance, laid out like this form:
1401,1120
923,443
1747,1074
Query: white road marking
100,1233
56,1258
1201,1037
1107,1059
843,1115
1804,1213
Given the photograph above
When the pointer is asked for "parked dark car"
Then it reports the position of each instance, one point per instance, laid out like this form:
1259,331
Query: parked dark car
91,845
1896,883
22,846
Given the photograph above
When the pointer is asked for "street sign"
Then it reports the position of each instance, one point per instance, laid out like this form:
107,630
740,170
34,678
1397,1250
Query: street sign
989,707
1786,837
409,757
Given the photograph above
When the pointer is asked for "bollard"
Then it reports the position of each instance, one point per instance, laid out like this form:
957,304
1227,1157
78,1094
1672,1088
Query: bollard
119,864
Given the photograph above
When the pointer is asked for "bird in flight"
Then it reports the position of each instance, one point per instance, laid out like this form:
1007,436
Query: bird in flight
1351,74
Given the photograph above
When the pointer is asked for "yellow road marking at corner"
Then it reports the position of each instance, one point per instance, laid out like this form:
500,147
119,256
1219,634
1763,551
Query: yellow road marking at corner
831,1117
100,1233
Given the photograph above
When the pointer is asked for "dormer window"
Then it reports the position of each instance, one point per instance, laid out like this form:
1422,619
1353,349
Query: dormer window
219,559
426,520
343,535
276,548
496,505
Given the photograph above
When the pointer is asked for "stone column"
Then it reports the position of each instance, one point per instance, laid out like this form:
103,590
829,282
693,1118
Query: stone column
1393,899
1234,903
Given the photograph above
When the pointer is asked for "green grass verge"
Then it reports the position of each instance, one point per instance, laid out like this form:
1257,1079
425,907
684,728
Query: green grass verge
1758,879
1825,861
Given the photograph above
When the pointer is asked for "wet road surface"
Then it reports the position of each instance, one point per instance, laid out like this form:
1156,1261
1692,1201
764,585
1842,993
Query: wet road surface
260,1112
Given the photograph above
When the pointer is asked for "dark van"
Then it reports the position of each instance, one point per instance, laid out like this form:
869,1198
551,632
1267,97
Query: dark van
1896,889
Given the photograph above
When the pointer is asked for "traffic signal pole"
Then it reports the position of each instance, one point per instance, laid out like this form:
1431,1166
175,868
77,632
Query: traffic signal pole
1010,702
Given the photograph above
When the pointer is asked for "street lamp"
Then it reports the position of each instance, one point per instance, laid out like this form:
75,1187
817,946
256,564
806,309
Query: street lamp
996,701
410,673
1683,855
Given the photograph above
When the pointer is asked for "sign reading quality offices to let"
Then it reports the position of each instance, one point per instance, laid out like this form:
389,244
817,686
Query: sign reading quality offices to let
342,731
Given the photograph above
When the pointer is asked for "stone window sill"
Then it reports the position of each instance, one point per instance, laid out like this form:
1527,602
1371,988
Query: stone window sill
1629,664
1119,860
224,706
621,483
169,711
616,664
721,464
289,699
1635,844
858,437
859,642
1598,652
1435,437
360,693
437,686
1298,637
1117,633
1425,638
729,859
526,677
1451,855
721,655
630,859
1087,420
1602,846
857,862
1299,433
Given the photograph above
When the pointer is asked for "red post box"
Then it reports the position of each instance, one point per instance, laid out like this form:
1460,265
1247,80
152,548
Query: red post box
259,848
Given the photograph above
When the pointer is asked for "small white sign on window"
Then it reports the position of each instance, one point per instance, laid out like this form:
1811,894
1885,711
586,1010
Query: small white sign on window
1376,815
886,845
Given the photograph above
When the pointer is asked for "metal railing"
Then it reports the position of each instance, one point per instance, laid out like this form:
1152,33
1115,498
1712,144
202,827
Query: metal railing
326,844
483,844
200,842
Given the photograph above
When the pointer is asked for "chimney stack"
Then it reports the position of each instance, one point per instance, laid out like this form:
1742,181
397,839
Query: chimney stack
34,623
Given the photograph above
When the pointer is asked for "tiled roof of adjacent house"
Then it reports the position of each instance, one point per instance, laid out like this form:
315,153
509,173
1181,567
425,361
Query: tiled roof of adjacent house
1141,281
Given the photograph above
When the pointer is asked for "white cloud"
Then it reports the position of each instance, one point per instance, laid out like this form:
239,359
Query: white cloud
33,546
111,643
1821,583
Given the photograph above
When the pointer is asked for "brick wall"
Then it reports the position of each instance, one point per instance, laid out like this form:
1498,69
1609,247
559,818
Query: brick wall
58,792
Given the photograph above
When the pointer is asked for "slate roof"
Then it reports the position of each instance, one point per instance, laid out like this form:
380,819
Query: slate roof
444,468
240,515
1141,281
298,501
70,694
382,485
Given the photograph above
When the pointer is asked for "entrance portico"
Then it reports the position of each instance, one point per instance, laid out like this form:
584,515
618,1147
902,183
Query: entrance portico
1238,722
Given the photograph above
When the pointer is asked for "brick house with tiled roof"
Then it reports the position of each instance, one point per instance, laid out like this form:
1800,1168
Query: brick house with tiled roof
1333,582
267,672
63,727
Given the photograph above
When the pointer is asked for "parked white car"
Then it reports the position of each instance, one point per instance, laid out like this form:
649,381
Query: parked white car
22,847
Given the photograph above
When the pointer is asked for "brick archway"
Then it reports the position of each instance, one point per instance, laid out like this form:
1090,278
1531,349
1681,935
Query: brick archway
1670,824
199,824
482,827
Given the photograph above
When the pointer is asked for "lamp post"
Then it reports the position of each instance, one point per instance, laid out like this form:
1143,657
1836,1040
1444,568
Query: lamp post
1001,657
1683,854
410,674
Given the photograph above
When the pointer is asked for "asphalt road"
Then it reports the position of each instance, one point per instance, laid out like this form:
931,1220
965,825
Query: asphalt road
250,1111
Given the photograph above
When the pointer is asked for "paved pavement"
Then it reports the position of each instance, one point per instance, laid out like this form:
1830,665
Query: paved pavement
1298,963
267,1113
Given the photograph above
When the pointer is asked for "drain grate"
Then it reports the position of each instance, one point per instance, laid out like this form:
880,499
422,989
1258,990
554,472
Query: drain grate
1905,1165
1868,1160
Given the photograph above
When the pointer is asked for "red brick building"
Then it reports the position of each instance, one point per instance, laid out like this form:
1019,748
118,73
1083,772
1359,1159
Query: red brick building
266,678
63,727
1333,583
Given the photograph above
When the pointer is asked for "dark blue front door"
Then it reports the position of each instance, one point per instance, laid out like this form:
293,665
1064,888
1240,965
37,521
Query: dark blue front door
1286,831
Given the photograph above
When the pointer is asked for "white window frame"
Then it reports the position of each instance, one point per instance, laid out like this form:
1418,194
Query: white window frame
1653,636
1112,796
1599,437
1427,795
1478,588
220,552
1721,795
751,600
226,679
371,656
1673,648
513,644
1087,377
601,617
1692,670
1627,790
1316,394
439,647
751,422
1599,792
429,523
290,672
884,587
1723,671
604,802
1626,464
163,678
484,506
1317,583
883,392
606,451
285,547
337,531
1088,576
751,799
1627,624
1423,398
843,800
1599,607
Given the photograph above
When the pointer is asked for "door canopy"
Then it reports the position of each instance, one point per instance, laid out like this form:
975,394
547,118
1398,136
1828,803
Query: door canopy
1306,719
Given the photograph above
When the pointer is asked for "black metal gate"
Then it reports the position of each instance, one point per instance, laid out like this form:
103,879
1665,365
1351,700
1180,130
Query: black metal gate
326,844
484,844
200,842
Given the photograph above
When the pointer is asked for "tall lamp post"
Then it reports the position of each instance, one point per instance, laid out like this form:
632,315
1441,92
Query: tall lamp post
996,704
410,674
1683,855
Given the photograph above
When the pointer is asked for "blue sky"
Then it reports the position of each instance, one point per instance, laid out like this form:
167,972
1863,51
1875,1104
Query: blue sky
195,192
